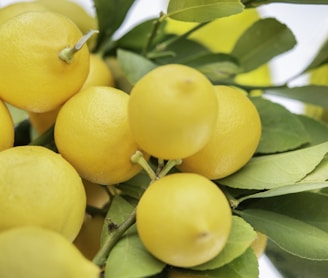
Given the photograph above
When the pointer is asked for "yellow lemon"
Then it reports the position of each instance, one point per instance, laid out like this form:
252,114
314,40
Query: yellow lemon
93,134
172,111
39,187
183,219
29,54
235,138
35,252
6,128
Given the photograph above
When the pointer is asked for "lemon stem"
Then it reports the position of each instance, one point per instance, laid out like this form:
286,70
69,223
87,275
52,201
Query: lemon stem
112,238
67,54
139,158
168,166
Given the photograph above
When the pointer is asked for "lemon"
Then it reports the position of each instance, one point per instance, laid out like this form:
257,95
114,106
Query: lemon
93,134
29,53
39,187
99,75
35,252
183,219
17,8
172,111
259,244
235,138
6,128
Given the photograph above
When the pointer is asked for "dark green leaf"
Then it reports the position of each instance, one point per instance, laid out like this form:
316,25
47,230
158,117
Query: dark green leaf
110,14
136,39
133,65
281,129
294,236
308,207
293,266
202,10
317,130
255,3
241,237
129,259
272,171
321,58
314,94
262,41
135,186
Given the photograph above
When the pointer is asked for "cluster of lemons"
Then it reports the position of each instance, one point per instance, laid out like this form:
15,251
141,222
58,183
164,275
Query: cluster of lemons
173,113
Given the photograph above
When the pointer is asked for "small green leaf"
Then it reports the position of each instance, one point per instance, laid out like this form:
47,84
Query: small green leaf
317,130
241,237
287,189
135,186
110,15
129,259
256,3
133,65
281,129
294,236
313,94
202,10
262,41
119,210
271,171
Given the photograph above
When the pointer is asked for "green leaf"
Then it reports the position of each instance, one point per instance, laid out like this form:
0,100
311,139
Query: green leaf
281,129
119,210
256,3
286,189
307,207
271,171
202,10
241,237
133,65
135,186
110,15
294,236
313,94
321,58
262,41
293,266
244,266
136,38
319,174
129,259
317,130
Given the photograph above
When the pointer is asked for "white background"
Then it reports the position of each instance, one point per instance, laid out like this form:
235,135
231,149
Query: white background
309,24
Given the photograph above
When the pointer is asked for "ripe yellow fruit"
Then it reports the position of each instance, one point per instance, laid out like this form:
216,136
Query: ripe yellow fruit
183,219
96,194
6,128
234,140
35,252
93,134
99,75
39,187
172,111
29,53
17,8
220,35
76,13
